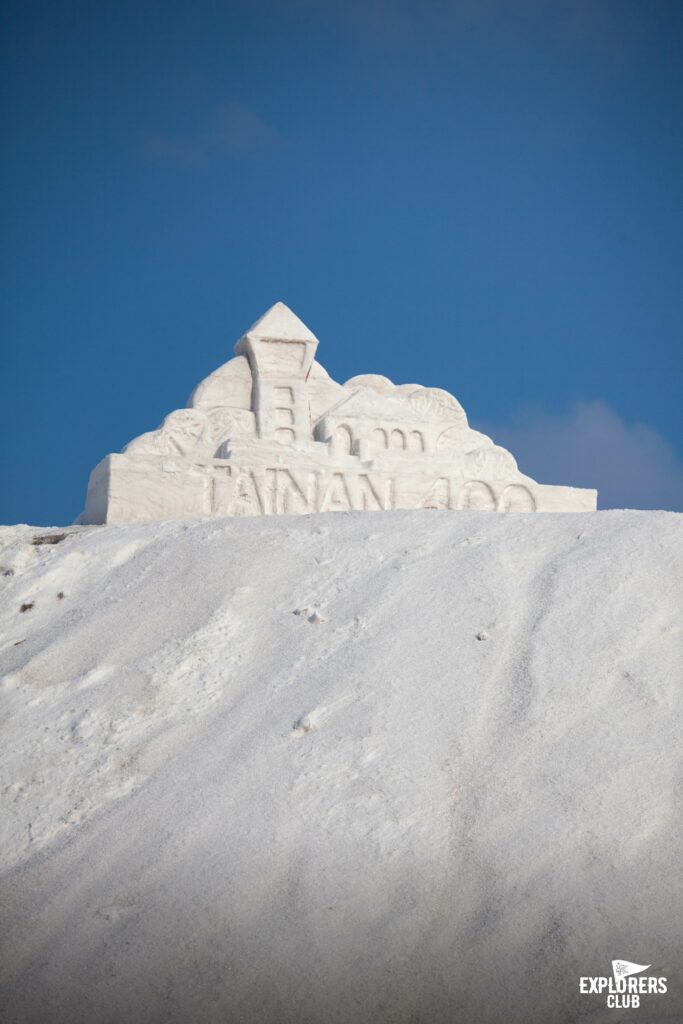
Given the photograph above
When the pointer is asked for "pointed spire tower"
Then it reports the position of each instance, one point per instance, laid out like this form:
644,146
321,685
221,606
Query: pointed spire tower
280,349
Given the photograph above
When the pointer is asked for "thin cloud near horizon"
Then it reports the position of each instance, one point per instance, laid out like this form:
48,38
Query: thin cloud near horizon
631,464
232,127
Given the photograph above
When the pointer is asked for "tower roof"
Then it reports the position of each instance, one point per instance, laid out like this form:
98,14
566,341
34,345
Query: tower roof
281,324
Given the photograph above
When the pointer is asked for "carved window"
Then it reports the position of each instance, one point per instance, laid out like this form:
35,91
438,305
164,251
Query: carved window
397,439
416,441
284,417
343,440
379,437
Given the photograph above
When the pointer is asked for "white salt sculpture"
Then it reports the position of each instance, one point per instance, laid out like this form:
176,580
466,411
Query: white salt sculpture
270,432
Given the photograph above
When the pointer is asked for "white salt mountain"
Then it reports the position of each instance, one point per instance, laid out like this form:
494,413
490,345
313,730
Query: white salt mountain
342,769
270,432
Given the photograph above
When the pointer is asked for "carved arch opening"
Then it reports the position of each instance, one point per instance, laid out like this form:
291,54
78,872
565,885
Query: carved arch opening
343,440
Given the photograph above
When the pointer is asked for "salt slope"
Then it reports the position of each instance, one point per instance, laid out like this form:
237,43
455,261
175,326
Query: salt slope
264,770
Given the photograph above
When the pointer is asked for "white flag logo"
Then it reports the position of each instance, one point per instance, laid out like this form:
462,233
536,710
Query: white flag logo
623,968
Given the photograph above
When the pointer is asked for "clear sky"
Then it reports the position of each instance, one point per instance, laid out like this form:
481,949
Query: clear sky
481,196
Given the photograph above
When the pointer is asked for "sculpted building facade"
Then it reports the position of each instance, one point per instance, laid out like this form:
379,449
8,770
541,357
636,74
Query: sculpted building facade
270,433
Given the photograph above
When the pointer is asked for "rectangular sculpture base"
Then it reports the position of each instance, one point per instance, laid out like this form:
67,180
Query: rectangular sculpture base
125,489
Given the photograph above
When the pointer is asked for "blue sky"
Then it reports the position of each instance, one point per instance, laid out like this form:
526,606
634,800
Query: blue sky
482,196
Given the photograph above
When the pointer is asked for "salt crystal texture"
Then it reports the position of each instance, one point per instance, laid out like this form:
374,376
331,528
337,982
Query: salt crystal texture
270,432
216,812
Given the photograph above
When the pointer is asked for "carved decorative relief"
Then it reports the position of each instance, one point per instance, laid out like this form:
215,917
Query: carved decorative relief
450,440
270,433
180,434
491,462
230,424
433,403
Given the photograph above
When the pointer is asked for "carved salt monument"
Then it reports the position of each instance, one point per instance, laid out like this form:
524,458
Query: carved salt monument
270,432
